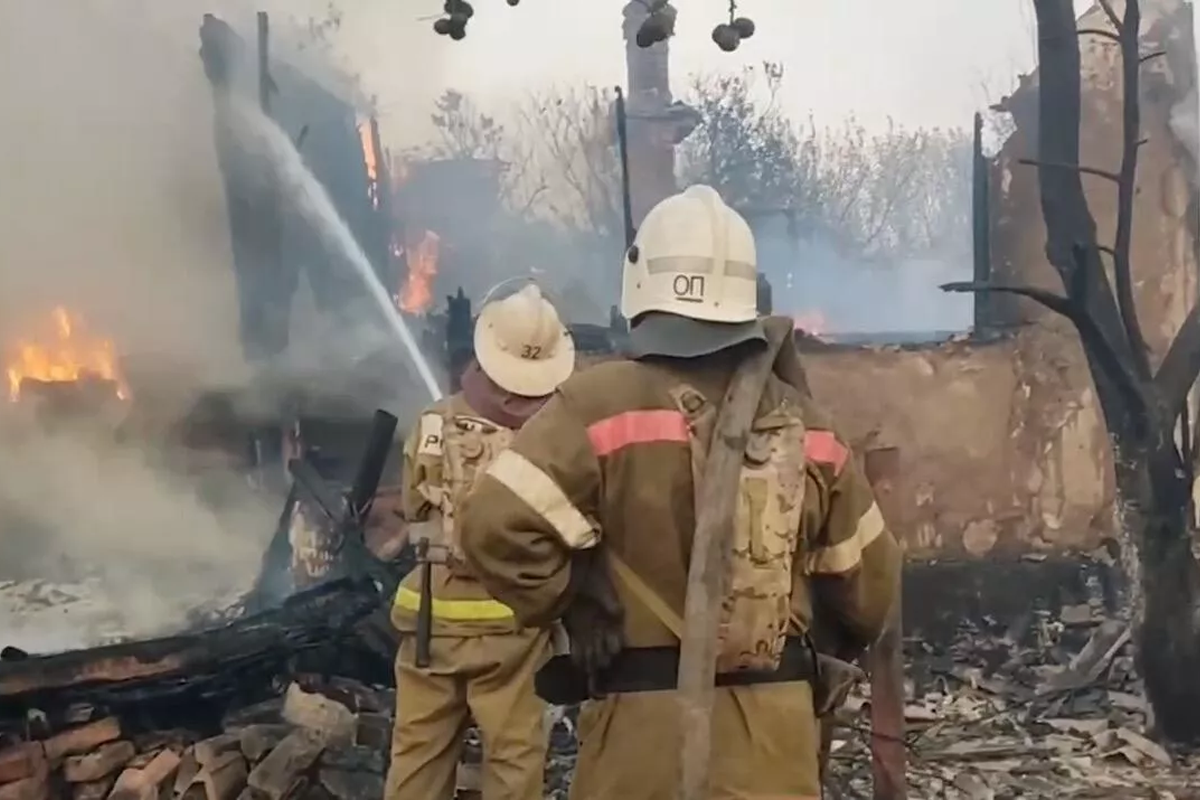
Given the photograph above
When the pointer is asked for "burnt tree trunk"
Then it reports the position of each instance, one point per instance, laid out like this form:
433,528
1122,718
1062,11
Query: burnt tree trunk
1153,489
1141,406
1153,493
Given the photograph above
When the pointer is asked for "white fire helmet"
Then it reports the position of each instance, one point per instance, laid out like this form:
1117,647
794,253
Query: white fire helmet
690,281
522,344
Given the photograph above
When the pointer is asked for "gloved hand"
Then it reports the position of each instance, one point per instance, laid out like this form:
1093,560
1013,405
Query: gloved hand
594,620
384,530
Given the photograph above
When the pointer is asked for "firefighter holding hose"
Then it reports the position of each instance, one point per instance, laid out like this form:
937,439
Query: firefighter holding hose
590,517
477,659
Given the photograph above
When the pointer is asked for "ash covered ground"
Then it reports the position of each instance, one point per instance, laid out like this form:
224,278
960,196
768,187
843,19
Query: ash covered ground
42,616
1048,710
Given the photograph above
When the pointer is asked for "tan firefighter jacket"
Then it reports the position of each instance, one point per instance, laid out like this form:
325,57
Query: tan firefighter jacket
447,451
610,459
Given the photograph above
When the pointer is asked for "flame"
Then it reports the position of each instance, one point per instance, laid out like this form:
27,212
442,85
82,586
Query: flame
811,322
416,296
71,356
371,158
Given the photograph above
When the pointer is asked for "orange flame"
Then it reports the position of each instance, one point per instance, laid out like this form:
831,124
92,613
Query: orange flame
71,357
811,322
416,296
372,163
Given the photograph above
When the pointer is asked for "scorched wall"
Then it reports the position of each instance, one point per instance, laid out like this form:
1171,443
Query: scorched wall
998,453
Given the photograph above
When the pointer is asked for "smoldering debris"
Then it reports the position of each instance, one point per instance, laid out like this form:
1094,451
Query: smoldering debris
134,545
112,203
113,208
1052,709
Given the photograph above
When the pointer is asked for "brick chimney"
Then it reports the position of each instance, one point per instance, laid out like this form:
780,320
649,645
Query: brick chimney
652,128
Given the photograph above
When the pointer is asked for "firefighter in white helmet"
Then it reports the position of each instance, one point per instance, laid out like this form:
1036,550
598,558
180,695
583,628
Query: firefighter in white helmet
589,517
482,659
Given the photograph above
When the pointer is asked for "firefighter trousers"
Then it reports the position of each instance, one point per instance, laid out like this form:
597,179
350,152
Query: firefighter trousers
764,739
489,678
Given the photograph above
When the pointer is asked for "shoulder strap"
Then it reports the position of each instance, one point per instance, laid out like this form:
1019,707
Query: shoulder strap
650,599
645,595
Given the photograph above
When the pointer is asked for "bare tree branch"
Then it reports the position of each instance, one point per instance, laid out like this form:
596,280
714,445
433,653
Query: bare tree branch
1069,223
1099,173
1126,184
1180,366
1111,13
1055,302
1067,307
1101,33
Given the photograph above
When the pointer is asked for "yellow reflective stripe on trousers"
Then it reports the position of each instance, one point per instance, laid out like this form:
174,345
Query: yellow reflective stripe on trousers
542,494
457,610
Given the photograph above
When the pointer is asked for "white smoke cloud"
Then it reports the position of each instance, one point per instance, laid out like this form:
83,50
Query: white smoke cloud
112,205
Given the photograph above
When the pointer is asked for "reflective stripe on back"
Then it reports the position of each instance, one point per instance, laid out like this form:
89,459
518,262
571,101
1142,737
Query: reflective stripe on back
637,427
823,447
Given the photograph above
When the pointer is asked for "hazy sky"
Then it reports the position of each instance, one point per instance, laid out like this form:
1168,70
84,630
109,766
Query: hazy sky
922,62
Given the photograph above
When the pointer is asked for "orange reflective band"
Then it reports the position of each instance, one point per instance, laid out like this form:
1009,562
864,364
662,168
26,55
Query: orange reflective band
637,427
824,448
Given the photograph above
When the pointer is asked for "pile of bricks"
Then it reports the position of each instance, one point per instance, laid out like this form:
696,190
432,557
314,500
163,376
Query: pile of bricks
330,743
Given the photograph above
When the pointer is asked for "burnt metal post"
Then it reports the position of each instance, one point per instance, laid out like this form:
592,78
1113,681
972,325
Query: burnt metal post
980,229
264,63
623,152
460,348
382,191
885,661
765,295
269,441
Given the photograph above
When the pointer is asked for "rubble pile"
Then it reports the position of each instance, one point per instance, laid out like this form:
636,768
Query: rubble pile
203,714
1047,707
330,742
251,707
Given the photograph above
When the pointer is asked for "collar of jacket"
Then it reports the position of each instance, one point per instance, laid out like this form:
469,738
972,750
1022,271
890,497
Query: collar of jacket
489,400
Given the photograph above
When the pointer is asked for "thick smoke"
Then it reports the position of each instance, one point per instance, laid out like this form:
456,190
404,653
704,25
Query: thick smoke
112,520
841,294
111,203
112,206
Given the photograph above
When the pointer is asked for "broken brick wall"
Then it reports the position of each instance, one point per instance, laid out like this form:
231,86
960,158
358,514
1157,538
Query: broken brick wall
998,453
1163,242
1001,446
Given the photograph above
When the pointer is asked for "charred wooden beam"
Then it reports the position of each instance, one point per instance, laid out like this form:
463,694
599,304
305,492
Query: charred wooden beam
265,282
255,647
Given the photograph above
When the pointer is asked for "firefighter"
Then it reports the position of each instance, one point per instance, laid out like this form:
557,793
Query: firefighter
482,659
589,515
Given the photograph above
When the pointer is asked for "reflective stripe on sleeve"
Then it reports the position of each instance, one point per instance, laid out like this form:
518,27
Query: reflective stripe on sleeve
823,447
846,555
540,492
637,427
456,610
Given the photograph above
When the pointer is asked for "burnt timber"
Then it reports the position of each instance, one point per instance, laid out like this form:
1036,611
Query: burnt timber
234,659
